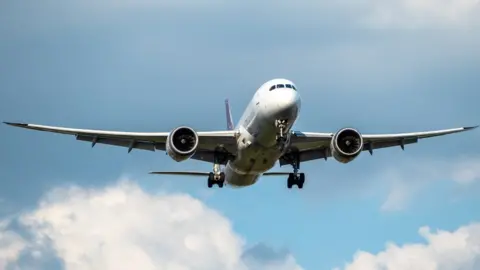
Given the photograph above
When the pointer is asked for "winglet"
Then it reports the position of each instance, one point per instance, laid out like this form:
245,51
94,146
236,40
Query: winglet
228,115
469,128
16,124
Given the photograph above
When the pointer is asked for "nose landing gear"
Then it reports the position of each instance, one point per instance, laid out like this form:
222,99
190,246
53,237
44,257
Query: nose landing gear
282,137
281,125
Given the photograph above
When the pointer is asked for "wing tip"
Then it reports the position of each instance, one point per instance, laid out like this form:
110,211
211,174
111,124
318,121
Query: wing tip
470,128
16,124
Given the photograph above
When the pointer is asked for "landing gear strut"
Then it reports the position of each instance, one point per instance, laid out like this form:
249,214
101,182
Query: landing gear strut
281,125
296,178
217,176
281,136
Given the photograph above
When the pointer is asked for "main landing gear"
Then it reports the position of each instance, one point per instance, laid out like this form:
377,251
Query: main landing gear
296,178
216,177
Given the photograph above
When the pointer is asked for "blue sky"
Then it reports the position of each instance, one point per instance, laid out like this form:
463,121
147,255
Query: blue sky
153,65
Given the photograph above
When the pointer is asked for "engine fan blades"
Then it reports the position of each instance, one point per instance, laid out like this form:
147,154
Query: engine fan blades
185,142
349,144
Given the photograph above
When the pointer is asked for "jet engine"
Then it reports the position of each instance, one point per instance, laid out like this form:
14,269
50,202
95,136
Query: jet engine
182,143
346,145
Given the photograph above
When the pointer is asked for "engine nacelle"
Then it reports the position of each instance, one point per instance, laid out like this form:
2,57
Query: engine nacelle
346,145
182,143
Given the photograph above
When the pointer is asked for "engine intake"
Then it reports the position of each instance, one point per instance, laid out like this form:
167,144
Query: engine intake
182,143
346,145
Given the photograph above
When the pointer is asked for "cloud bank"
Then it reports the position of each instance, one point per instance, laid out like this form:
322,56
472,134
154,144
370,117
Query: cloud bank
123,227
443,250
423,13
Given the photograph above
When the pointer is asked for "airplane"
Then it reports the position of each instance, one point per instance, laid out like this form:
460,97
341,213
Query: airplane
264,135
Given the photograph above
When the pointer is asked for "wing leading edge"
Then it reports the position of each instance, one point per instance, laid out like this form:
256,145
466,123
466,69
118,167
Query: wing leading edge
208,140
312,145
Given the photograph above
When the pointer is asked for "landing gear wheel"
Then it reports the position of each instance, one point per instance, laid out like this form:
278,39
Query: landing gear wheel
290,181
301,180
222,180
296,179
210,180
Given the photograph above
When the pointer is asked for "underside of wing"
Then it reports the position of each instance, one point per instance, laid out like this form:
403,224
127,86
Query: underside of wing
202,144
347,143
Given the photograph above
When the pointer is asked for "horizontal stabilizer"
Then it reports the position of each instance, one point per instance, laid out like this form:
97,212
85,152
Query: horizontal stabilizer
207,173
275,173
183,173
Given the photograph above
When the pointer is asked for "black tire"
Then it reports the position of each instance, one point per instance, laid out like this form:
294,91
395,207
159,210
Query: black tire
210,180
290,181
302,178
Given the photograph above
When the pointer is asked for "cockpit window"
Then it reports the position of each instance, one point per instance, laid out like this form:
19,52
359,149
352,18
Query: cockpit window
291,86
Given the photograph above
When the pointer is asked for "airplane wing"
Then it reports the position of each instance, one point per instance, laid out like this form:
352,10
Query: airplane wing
209,141
312,145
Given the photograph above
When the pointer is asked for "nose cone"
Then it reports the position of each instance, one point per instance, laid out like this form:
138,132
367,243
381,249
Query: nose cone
285,103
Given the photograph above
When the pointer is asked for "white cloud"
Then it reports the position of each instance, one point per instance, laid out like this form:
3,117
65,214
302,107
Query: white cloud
122,227
11,244
367,13
423,13
408,179
466,172
443,250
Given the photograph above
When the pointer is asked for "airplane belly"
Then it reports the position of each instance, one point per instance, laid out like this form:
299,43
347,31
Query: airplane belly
256,159
252,160
250,163
238,179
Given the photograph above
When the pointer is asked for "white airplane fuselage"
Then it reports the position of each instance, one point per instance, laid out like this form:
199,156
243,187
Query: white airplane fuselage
258,149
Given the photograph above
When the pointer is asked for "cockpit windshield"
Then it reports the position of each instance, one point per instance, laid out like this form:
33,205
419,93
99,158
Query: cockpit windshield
291,86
